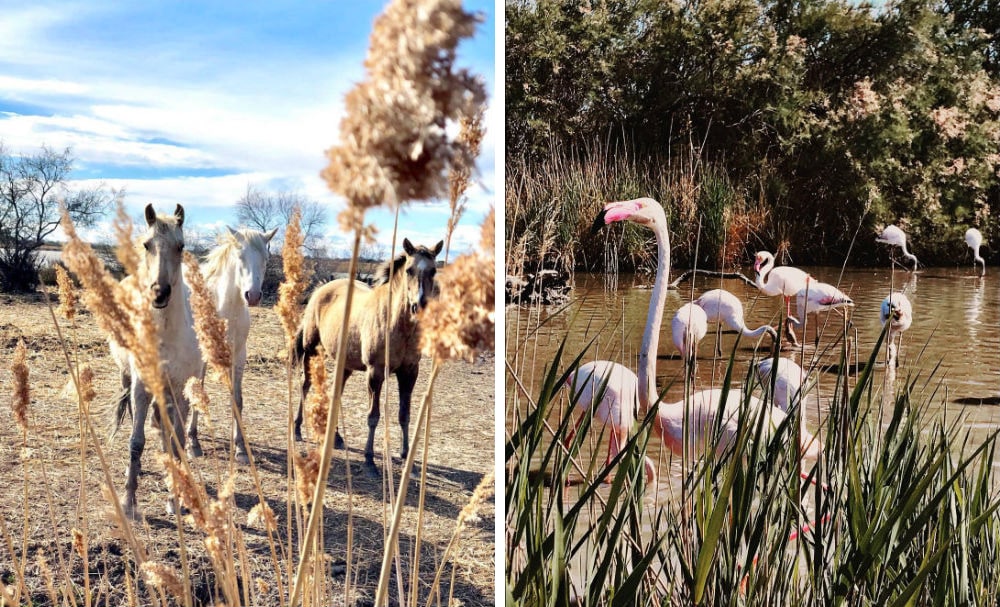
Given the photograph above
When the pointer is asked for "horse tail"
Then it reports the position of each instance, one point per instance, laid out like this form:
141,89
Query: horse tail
299,349
123,407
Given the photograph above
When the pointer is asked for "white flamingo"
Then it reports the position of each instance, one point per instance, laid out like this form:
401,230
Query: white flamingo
688,327
721,306
895,237
974,238
701,411
787,382
623,386
896,309
616,409
820,297
784,280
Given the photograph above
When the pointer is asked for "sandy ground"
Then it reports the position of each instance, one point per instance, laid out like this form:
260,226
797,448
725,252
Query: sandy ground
40,486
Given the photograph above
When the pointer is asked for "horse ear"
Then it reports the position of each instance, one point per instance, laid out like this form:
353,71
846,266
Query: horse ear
235,234
270,235
150,215
437,249
179,214
408,247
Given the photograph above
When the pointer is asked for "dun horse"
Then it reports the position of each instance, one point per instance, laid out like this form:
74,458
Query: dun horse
234,272
163,244
374,314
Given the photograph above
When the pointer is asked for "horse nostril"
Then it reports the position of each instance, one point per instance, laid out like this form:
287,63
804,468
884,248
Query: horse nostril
246,295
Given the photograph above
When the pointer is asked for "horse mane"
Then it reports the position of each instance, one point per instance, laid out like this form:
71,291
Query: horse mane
216,259
388,269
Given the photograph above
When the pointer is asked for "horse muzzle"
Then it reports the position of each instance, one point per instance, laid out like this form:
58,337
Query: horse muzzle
161,296
252,297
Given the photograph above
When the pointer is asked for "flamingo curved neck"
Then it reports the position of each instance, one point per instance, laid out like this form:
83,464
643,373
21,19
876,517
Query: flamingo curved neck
654,320
745,330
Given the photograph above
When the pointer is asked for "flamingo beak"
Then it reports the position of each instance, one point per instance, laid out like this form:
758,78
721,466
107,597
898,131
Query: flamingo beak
615,211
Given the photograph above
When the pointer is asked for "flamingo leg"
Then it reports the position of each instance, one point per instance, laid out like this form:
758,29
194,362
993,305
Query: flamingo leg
615,442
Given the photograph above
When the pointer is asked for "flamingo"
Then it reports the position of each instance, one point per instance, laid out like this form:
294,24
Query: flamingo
787,382
784,280
897,310
820,297
974,239
688,328
701,412
615,409
721,306
895,237
623,386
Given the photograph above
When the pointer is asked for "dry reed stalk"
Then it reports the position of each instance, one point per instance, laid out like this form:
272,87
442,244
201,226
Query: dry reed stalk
210,329
21,387
47,577
471,135
67,295
394,148
483,491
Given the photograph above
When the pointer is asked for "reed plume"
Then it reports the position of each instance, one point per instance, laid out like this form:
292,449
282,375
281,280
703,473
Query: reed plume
460,322
471,135
67,295
78,542
22,390
210,329
261,515
317,404
293,286
306,474
164,577
393,141
194,392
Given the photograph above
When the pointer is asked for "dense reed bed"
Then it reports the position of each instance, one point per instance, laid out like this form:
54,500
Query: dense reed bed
901,508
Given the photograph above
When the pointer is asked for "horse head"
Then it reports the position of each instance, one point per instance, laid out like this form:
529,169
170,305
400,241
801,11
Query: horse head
253,262
420,271
164,245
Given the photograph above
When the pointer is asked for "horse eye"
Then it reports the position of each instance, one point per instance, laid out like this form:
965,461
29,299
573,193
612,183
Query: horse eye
180,246
146,245
433,272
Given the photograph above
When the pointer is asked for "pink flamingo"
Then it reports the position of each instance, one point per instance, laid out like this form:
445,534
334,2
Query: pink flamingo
820,297
623,386
974,238
721,306
616,408
688,328
895,237
896,309
701,411
784,280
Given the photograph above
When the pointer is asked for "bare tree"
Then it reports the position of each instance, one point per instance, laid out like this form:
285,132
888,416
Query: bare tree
31,188
265,210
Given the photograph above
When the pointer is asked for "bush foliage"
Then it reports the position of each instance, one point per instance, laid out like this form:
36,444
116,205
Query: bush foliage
823,119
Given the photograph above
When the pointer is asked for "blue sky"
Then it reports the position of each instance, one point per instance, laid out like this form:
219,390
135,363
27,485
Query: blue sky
183,102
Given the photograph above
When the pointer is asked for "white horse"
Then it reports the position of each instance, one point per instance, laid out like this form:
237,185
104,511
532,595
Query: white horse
234,272
162,244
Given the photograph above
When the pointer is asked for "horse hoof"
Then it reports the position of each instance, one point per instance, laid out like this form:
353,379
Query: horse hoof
242,458
131,510
298,436
338,441
172,508
372,471
194,450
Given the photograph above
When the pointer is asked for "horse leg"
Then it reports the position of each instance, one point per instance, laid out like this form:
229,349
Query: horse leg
172,439
136,444
338,440
375,379
306,383
406,377
241,447
193,445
